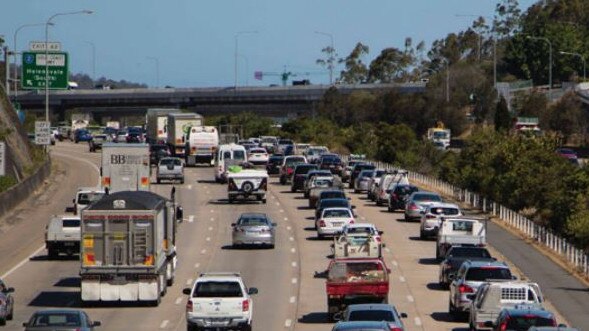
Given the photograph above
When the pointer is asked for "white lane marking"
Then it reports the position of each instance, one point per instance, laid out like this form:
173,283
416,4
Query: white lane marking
212,219
164,324
282,210
189,187
293,299
212,210
210,228
208,238
286,218
395,263
179,300
410,298
291,238
288,228
293,250
21,263
387,249
363,218
278,204
82,160
294,264
287,323
190,218
203,251
402,279
189,281
294,281
205,187
417,321
196,265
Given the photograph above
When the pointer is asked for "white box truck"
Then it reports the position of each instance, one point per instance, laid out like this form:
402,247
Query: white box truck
125,167
128,248
156,124
201,144
179,125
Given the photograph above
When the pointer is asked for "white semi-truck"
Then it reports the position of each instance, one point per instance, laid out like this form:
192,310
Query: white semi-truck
125,167
179,125
128,247
156,124
201,144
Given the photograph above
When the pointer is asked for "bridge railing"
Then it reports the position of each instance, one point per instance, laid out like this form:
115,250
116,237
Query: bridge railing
539,234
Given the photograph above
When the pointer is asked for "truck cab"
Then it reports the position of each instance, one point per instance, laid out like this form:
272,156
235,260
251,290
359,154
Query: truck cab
86,196
62,235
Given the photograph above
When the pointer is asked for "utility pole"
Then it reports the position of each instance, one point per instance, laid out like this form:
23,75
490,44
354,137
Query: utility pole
236,54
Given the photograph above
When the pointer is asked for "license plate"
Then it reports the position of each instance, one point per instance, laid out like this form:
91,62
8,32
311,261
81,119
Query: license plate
252,232
337,224
69,244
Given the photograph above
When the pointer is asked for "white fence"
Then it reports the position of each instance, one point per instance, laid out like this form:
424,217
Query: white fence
576,257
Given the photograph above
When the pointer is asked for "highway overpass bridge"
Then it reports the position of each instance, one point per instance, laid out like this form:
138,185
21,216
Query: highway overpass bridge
275,101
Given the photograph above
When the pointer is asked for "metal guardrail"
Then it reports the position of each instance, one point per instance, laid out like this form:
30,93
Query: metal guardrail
540,234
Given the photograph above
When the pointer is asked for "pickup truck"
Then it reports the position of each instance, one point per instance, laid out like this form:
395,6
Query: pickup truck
353,280
62,235
245,183
170,168
219,300
460,231
358,240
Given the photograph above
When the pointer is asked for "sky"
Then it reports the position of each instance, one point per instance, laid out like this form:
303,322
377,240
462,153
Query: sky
193,41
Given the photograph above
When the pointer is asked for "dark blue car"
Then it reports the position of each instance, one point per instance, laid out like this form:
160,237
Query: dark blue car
82,135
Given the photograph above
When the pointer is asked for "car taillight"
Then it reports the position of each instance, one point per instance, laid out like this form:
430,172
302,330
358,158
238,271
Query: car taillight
264,184
503,326
321,223
189,306
413,206
193,149
378,240
352,221
429,217
465,289
289,171
395,328
245,305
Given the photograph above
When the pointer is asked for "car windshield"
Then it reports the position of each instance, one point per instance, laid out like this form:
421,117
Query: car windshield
372,315
524,322
175,162
212,289
444,211
238,155
71,223
427,197
484,273
56,319
253,221
469,252
355,230
336,213
294,160
88,198
405,190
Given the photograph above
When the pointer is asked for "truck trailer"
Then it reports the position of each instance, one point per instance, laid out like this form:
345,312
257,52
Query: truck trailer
125,167
179,125
156,124
128,248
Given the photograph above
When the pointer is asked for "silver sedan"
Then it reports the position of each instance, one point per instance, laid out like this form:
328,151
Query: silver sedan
253,229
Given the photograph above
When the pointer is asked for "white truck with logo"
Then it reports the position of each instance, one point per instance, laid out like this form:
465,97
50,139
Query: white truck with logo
128,248
219,300
156,124
202,143
125,167
246,183
179,125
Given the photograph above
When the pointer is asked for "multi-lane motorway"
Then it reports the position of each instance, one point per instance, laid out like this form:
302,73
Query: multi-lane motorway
289,298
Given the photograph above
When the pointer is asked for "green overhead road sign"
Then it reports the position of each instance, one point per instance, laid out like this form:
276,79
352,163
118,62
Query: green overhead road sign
33,70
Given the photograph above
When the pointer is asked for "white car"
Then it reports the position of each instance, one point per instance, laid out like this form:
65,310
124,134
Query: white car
219,300
313,153
258,156
332,221
431,217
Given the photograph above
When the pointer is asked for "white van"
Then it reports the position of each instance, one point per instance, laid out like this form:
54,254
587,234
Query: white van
227,155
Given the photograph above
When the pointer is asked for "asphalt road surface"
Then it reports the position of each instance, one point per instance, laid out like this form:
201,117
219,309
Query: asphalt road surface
289,298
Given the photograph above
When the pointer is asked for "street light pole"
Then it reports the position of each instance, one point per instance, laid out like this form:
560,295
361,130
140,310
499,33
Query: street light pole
236,36
447,79
549,62
47,54
15,53
93,60
157,70
331,51
246,68
582,59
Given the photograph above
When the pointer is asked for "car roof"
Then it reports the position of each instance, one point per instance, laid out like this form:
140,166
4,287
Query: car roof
360,325
478,264
527,310
253,215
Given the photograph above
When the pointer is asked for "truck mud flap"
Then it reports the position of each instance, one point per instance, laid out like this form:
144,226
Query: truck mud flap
148,289
90,289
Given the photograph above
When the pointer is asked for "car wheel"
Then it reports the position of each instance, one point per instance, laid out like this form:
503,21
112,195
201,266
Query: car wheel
452,311
158,180
293,189
356,191
11,315
282,181
247,327
263,201
52,253
421,235
191,327
390,209
230,200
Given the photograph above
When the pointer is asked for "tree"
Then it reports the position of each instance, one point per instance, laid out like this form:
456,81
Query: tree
390,66
507,17
502,117
567,116
356,71
330,59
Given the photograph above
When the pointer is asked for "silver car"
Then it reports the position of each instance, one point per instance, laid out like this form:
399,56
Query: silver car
253,229
6,303
170,168
417,202
361,184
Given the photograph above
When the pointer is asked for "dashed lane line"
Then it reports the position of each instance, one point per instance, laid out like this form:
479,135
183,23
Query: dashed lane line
288,323
179,300
417,321
190,218
164,324
189,281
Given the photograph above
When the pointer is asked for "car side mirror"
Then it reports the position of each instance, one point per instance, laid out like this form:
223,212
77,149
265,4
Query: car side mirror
233,224
353,207
96,323
186,291
403,315
380,232
514,277
70,209
451,277
9,290
489,324
252,291
179,213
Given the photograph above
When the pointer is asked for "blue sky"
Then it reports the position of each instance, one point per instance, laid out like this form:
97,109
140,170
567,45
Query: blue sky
194,40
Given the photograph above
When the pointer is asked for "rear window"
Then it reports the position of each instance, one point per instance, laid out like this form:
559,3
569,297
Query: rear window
469,252
405,190
332,195
71,223
56,319
88,198
444,211
465,226
372,315
258,150
427,197
303,169
294,160
337,213
253,221
175,162
238,155
334,203
526,321
484,273
217,289
323,182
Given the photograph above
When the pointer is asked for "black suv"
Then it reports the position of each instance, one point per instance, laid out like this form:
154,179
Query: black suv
398,197
331,162
299,176
156,152
274,163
